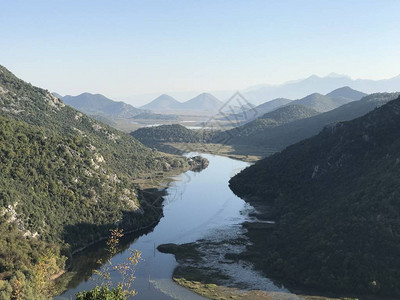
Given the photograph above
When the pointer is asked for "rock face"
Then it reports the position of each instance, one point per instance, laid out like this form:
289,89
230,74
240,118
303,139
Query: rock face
198,163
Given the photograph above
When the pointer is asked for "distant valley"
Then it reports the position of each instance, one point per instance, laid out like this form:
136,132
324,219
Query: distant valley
85,165
191,150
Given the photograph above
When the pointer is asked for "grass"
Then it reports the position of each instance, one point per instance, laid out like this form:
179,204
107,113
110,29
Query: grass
214,291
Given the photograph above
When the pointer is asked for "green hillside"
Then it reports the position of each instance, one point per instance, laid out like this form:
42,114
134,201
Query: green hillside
175,133
66,179
335,200
279,137
280,116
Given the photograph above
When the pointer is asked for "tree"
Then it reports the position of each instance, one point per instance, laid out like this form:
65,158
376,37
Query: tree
122,290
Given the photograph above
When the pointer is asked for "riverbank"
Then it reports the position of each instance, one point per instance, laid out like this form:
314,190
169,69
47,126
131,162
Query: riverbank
196,204
67,277
240,152
222,269
214,291
151,193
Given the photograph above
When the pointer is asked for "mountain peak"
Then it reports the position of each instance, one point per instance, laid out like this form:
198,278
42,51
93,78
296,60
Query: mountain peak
204,102
163,102
95,104
165,96
346,92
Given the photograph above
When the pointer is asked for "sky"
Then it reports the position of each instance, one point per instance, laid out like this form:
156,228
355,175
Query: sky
124,48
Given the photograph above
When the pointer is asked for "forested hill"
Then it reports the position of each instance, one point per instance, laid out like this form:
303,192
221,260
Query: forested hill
99,105
176,133
286,114
279,137
65,180
335,200
36,106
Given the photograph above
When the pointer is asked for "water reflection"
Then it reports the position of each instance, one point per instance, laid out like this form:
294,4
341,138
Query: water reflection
196,204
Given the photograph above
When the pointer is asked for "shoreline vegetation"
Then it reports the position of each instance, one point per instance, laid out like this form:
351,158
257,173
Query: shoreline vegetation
194,273
152,190
336,208
177,139
66,180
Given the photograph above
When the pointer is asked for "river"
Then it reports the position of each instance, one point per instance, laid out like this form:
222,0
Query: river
197,204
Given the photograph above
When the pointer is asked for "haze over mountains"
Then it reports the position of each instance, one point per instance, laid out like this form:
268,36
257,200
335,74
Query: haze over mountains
207,103
204,102
100,106
271,96
315,84
315,101
277,138
162,103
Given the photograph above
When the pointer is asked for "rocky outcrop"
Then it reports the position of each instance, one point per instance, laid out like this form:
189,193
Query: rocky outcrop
198,163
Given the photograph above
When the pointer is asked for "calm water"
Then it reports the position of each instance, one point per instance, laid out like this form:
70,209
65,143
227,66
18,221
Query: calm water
197,205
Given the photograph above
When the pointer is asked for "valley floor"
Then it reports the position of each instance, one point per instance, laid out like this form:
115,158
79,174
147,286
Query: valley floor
239,152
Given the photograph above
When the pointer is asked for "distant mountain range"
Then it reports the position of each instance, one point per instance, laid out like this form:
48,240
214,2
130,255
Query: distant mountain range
315,84
99,105
203,103
277,138
315,101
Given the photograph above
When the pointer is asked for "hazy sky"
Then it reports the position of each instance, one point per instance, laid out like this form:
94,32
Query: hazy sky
121,48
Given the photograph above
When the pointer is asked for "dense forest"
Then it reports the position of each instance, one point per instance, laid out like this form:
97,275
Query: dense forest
175,133
275,118
335,200
65,180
